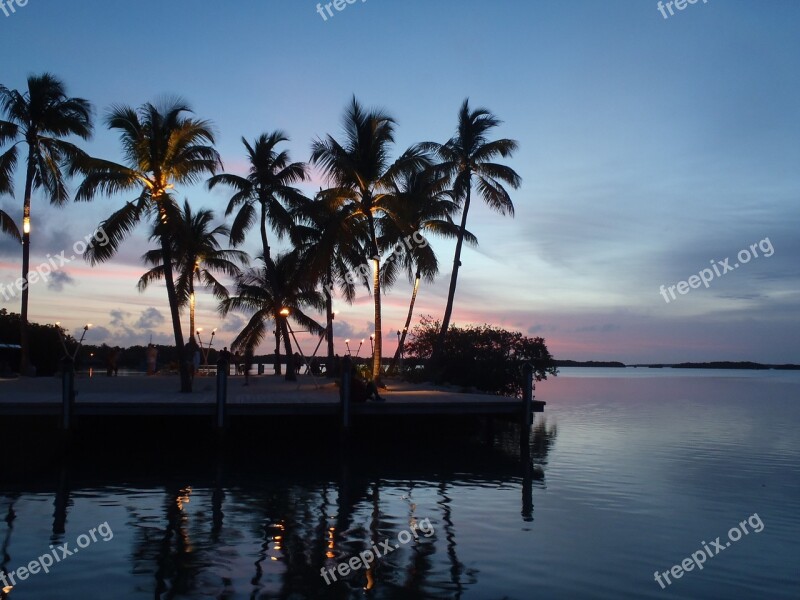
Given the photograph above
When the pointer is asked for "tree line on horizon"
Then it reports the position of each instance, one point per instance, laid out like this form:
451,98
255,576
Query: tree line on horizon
373,205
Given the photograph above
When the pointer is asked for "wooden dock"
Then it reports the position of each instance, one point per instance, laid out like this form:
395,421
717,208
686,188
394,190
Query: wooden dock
265,395
223,400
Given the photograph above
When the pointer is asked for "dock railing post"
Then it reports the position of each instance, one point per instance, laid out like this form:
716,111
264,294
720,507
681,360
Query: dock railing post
345,392
67,392
524,442
527,402
222,393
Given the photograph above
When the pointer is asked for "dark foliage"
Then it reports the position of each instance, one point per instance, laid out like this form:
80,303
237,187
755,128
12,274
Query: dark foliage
483,357
45,347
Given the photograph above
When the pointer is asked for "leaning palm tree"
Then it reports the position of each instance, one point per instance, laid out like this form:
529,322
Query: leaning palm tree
330,242
362,174
268,186
41,117
163,146
426,205
285,293
197,257
467,158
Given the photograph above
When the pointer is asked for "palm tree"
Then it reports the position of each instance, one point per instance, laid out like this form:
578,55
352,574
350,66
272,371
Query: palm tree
426,206
197,256
41,117
269,184
330,242
363,175
267,296
163,146
466,159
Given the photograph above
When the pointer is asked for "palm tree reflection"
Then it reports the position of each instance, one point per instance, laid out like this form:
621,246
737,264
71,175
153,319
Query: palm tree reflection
271,532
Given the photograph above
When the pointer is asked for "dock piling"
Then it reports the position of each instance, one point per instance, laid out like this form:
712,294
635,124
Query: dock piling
222,393
527,405
527,394
67,393
346,392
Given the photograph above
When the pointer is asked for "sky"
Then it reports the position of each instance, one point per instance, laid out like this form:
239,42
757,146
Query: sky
650,149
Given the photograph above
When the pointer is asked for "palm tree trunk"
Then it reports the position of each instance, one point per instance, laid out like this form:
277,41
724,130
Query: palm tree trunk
376,356
287,343
376,294
183,367
270,268
24,365
398,352
278,370
448,311
329,367
192,304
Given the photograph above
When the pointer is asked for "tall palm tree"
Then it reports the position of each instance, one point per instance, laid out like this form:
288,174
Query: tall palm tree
467,158
267,295
197,256
163,146
330,242
362,174
41,117
269,184
426,205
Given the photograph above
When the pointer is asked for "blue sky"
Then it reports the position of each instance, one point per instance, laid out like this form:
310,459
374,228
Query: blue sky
648,148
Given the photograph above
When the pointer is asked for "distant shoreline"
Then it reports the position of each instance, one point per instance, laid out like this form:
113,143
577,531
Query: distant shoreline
743,365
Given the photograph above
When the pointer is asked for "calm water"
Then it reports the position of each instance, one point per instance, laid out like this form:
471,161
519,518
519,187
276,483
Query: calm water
631,474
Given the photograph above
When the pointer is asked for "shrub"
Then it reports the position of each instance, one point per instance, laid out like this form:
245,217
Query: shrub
483,357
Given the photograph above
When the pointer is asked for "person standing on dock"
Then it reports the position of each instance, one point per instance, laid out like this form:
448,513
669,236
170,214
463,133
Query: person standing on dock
224,361
152,357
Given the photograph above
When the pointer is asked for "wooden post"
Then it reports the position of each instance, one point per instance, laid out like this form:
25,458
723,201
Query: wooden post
527,404
67,393
222,393
524,442
527,394
345,392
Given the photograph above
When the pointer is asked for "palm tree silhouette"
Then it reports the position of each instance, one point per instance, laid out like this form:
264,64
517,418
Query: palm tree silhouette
269,184
8,226
362,175
265,295
426,206
163,146
41,117
330,242
466,158
197,256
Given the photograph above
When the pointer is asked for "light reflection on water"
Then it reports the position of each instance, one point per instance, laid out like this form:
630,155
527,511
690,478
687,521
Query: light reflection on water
628,476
